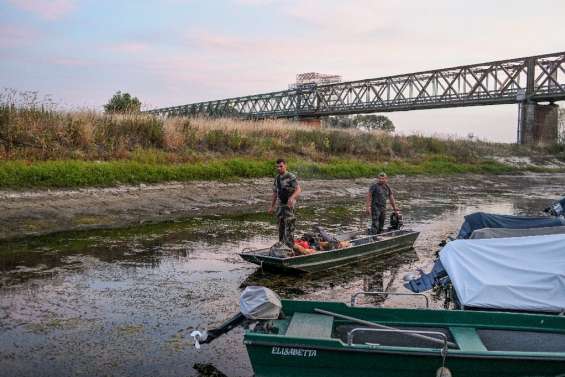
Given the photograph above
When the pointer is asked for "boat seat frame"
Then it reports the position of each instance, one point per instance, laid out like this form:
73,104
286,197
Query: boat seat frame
442,351
467,338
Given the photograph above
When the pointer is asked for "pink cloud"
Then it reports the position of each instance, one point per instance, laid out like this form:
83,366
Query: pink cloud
129,47
47,9
72,62
218,41
254,2
14,36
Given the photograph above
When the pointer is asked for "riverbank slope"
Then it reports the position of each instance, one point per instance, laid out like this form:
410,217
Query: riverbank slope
52,149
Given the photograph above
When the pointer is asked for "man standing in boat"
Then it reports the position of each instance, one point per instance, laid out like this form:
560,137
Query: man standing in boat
376,202
285,191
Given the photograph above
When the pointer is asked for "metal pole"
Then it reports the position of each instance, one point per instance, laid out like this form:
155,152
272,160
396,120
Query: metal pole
379,326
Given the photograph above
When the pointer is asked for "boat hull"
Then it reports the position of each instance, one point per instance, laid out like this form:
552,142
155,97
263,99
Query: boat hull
322,261
301,360
318,348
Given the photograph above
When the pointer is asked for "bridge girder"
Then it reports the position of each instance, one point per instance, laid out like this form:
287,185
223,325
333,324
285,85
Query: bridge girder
530,79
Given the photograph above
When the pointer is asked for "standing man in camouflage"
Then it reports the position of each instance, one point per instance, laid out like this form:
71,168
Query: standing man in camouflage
285,191
376,203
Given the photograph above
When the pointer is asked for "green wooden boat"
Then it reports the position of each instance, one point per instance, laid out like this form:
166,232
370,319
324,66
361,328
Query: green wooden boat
363,246
309,342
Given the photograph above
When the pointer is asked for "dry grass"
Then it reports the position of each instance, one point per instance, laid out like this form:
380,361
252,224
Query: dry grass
43,147
36,132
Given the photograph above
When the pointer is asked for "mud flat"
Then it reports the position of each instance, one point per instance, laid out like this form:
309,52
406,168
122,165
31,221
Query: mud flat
31,213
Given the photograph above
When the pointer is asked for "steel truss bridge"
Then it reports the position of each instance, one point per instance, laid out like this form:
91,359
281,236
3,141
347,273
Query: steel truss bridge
531,79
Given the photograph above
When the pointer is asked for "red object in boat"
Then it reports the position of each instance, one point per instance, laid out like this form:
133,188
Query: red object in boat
302,243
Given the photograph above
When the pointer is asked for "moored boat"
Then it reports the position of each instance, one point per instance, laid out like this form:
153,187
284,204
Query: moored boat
489,233
481,220
334,339
517,273
502,262
361,246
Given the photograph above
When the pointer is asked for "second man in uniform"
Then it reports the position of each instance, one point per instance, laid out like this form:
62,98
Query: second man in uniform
377,197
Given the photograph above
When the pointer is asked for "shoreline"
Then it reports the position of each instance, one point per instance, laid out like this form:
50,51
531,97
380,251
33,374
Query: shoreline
34,212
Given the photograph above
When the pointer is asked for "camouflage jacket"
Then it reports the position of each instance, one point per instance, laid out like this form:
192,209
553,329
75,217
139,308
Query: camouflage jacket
379,195
284,186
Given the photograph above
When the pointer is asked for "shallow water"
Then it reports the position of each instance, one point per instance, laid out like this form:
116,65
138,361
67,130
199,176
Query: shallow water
122,302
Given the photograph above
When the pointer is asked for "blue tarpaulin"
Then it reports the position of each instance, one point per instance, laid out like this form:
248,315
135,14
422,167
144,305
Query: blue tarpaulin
427,281
557,208
480,220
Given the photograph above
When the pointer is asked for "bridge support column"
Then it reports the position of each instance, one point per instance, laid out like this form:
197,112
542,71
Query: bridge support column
310,122
537,124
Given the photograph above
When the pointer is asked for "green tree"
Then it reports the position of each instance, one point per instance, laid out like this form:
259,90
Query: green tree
373,122
122,103
367,122
340,121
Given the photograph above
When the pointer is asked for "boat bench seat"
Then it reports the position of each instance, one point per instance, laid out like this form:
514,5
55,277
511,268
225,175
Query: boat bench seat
467,339
310,325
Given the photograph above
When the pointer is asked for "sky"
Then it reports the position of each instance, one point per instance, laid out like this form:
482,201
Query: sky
173,52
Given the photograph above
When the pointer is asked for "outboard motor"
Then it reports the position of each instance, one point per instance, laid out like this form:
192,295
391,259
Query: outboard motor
256,303
556,209
260,303
395,221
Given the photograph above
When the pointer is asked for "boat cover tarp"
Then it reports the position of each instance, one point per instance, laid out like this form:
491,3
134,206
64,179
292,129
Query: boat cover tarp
480,220
522,273
259,303
506,233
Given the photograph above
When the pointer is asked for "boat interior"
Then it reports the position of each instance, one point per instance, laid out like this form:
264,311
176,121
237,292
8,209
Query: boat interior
357,238
456,337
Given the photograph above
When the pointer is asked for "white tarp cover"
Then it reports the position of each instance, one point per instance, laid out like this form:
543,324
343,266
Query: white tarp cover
522,273
505,232
259,303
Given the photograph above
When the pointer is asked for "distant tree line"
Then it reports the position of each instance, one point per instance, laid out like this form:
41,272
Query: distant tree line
367,122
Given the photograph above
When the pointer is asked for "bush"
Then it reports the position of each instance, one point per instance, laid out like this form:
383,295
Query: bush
122,103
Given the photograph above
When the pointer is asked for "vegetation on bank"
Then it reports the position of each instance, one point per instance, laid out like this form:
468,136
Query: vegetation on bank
19,174
42,147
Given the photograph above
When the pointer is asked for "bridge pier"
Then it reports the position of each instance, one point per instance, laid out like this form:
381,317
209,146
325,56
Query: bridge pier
310,122
537,124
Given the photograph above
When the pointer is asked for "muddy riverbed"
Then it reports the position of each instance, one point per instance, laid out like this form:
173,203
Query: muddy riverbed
121,302
32,213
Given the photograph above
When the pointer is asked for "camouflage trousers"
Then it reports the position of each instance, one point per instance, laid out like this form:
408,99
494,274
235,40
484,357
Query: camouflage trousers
378,216
286,221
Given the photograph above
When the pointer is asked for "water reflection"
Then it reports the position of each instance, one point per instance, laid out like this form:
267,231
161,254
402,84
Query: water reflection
369,273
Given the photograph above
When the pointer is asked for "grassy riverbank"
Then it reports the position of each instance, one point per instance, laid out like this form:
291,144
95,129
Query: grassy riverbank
53,174
46,148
